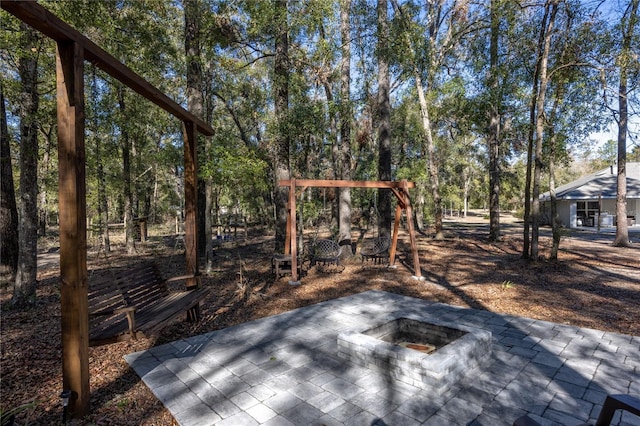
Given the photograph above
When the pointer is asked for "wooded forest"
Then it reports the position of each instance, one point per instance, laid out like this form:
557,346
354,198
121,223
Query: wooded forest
481,103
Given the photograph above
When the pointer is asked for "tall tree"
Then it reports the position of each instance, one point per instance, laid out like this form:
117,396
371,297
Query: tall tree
281,95
8,208
384,118
345,126
193,10
540,123
26,276
536,133
494,123
126,147
103,202
447,25
625,64
553,144
571,115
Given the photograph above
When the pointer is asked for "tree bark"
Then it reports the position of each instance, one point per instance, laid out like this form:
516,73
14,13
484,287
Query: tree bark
193,10
103,206
622,230
494,127
209,188
8,208
540,126
384,120
526,245
345,129
432,166
45,165
282,166
25,282
127,192
556,231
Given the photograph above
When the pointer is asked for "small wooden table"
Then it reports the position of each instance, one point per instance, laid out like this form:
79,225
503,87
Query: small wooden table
282,264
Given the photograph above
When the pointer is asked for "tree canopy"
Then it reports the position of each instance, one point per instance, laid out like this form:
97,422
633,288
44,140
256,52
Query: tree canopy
453,66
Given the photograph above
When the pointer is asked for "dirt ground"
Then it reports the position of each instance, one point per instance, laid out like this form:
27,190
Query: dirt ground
591,285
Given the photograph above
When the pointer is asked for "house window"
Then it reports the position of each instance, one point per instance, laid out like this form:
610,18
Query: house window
586,211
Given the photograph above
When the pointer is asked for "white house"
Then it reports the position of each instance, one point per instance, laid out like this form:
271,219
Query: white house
591,200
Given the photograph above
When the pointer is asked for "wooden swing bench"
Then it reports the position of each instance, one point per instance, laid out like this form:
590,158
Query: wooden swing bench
136,302
376,250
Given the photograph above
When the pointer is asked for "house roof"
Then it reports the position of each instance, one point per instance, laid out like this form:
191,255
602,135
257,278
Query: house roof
602,184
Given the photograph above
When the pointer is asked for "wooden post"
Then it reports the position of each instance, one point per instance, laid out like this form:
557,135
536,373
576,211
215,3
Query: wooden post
73,229
412,233
191,203
292,233
287,231
394,239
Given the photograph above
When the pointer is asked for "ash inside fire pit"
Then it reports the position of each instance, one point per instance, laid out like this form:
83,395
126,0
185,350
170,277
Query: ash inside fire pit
424,348
424,354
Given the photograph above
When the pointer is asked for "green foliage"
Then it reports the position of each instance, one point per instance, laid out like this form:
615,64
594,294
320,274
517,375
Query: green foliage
237,61
507,284
7,416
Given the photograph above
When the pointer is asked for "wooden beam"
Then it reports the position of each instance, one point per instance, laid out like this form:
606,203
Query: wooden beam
73,237
72,50
50,25
400,190
326,183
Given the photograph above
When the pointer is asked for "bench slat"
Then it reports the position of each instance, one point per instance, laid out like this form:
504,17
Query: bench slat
143,288
154,318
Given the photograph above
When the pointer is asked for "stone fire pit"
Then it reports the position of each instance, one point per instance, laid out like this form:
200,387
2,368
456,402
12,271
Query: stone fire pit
424,354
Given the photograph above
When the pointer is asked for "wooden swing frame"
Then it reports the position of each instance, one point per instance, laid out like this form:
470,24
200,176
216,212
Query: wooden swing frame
399,188
72,49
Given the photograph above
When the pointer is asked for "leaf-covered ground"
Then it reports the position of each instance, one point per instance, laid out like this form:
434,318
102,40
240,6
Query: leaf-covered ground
591,285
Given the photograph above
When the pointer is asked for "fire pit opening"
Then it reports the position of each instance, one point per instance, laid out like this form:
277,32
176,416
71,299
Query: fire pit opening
416,335
425,354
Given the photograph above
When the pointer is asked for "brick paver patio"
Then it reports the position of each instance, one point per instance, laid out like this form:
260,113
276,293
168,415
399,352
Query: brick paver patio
284,370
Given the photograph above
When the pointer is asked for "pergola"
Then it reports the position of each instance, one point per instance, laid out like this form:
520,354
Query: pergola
400,190
72,50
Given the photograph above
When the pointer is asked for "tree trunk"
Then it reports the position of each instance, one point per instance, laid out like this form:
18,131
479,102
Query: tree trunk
8,208
281,95
466,175
432,167
209,187
45,164
622,230
384,121
127,192
345,129
336,159
526,245
540,126
103,202
420,207
429,143
103,205
556,224
193,10
494,128
556,231
25,282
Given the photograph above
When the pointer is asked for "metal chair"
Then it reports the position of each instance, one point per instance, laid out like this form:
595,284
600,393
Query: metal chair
376,249
325,252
